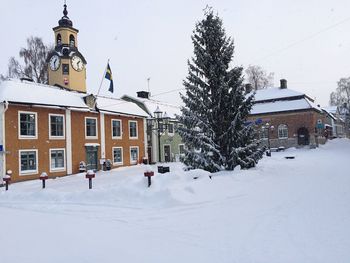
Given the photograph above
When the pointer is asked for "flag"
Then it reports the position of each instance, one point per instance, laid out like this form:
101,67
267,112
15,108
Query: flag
109,77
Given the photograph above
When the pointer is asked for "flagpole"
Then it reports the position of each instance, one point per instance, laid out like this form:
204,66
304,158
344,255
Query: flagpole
103,76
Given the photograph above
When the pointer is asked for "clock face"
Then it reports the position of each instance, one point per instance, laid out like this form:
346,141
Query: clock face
77,63
55,62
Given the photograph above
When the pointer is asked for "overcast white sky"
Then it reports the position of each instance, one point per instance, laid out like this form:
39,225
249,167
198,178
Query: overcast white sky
305,41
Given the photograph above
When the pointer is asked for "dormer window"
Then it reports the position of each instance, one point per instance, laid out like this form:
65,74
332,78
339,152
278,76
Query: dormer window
72,41
59,39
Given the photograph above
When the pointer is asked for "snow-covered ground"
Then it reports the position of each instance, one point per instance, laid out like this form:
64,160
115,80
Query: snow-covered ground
281,211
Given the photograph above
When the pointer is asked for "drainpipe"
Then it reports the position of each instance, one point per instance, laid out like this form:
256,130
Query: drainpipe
2,173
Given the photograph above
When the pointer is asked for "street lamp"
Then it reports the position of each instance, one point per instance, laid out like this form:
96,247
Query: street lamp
162,123
269,127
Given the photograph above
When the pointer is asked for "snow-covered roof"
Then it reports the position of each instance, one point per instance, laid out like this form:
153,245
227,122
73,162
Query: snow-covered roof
171,110
119,106
27,92
151,106
275,93
283,105
331,109
39,94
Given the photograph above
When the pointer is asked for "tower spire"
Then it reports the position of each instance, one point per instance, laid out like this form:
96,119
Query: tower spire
65,21
65,12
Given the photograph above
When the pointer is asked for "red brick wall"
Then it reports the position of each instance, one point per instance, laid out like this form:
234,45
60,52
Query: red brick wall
294,121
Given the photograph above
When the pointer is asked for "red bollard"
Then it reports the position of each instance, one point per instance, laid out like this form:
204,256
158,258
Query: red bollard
149,175
44,177
7,179
89,175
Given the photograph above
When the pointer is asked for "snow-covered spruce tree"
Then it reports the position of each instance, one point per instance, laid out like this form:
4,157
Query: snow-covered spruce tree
216,108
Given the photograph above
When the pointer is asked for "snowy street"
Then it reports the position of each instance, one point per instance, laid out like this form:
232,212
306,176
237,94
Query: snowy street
284,210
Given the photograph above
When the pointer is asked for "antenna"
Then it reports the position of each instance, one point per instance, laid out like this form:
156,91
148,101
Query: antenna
148,80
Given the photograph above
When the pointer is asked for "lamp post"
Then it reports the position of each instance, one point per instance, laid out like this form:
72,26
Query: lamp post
269,127
162,123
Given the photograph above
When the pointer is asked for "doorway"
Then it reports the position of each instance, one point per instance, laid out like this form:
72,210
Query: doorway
303,136
166,153
92,158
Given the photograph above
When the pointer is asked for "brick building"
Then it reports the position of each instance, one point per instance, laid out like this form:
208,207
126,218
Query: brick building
287,118
53,128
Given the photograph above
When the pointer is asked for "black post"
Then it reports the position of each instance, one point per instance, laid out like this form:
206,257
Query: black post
268,141
149,181
7,185
90,183
43,183
159,155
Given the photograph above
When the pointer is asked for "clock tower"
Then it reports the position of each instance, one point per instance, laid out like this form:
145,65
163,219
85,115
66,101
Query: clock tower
66,65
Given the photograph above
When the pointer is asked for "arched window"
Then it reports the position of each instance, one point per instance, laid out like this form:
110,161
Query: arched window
59,39
282,131
72,41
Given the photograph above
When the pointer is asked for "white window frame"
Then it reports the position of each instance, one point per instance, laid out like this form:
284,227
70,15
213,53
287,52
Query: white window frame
137,130
60,169
118,163
280,128
121,129
64,127
28,137
171,133
138,155
28,172
91,137
181,144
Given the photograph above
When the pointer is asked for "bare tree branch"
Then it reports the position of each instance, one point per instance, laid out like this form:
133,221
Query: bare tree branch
258,77
34,57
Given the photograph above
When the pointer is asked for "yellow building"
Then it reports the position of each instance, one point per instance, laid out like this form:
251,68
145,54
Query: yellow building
67,66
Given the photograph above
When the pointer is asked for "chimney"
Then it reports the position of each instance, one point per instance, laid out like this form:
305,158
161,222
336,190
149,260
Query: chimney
248,88
143,94
283,84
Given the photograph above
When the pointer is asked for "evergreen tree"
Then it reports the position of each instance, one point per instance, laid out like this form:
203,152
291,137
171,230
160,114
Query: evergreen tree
216,107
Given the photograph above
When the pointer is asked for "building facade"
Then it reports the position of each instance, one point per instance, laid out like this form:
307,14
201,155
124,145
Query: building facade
164,142
58,128
287,118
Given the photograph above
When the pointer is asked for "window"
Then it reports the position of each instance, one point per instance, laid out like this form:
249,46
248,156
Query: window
59,39
56,126
27,125
161,127
134,154
117,155
133,129
116,129
282,131
57,160
170,128
72,41
28,162
91,128
181,149
264,134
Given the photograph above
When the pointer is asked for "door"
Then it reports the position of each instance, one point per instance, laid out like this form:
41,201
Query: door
167,153
303,136
91,158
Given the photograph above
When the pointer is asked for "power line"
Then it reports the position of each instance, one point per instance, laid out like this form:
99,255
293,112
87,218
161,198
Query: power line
305,39
169,91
